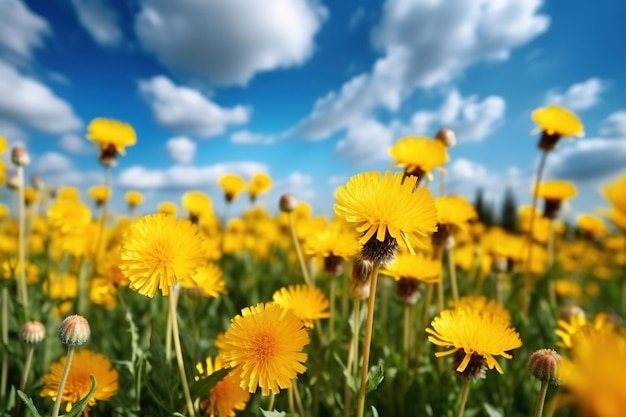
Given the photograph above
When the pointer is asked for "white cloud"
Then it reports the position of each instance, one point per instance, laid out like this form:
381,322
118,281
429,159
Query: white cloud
72,143
229,41
245,137
579,96
28,103
470,118
185,176
614,126
21,30
425,44
367,141
99,21
297,184
52,162
181,149
187,111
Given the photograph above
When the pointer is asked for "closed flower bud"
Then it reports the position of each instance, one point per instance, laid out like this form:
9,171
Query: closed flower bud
32,332
360,290
74,330
287,203
544,365
446,136
361,270
20,156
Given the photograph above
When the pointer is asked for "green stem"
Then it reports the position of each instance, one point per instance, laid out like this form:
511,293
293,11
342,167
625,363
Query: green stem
406,333
179,355
30,349
296,393
541,399
21,266
296,243
529,238
463,400
452,271
331,296
5,342
367,342
66,371
270,405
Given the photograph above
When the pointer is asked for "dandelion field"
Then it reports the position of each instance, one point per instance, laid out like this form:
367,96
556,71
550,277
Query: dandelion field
404,303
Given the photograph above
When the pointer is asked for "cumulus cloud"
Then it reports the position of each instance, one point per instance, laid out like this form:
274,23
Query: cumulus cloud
52,162
470,118
229,41
367,141
99,21
21,30
72,143
298,184
179,177
246,137
28,103
424,45
187,111
614,126
579,96
181,149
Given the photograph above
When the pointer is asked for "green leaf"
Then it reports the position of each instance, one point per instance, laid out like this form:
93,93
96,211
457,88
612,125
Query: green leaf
78,408
375,376
203,386
492,411
28,402
374,411
273,413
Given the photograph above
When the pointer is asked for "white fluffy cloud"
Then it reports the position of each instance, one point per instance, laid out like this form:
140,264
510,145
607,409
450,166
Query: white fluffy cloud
470,118
52,162
72,143
246,137
425,44
27,103
187,111
181,149
298,184
579,96
184,176
367,141
21,30
614,126
99,21
229,41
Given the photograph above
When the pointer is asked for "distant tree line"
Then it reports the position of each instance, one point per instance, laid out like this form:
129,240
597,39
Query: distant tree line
505,217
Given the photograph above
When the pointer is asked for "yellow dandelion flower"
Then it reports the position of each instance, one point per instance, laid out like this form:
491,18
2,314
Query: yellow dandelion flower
197,204
386,208
556,122
158,250
483,305
68,193
454,210
85,363
167,207
233,185
417,267
479,336
334,240
556,190
227,396
3,144
99,193
30,196
616,194
259,184
591,226
419,155
208,281
594,374
307,303
264,347
113,136
133,198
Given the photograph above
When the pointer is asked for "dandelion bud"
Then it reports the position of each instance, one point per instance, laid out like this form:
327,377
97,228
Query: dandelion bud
408,291
361,270
544,365
74,330
32,332
360,290
13,182
287,203
20,156
569,311
446,136
37,183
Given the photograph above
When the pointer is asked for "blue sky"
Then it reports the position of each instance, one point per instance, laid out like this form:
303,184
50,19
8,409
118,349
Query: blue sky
311,92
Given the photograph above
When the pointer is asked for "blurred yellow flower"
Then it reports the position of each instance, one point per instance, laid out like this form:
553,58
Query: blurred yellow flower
556,122
99,193
263,346
197,204
591,226
85,363
227,396
167,207
112,136
615,192
207,282
133,198
419,155
158,251
307,303
454,210
482,305
259,184
233,185
418,267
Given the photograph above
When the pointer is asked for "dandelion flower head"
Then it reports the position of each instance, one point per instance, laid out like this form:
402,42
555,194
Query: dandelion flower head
110,133
557,120
233,185
306,302
419,155
227,396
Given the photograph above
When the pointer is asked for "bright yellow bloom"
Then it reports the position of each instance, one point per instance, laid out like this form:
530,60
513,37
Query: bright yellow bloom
334,240
386,205
307,303
159,250
233,185
417,267
3,144
419,155
476,334
111,135
259,184
454,210
556,190
133,198
557,120
85,363
167,207
264,347
615,192
30,195
68,193
594,375
208,281
591,226
227,396
197,204
100,193
483,305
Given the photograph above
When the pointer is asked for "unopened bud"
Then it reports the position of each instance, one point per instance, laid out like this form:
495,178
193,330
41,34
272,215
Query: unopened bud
287,203
544,365
20,156
32,332
446,136
360,291
361,270
74,330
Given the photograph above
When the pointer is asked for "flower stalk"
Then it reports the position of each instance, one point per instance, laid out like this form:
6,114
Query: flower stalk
179,353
